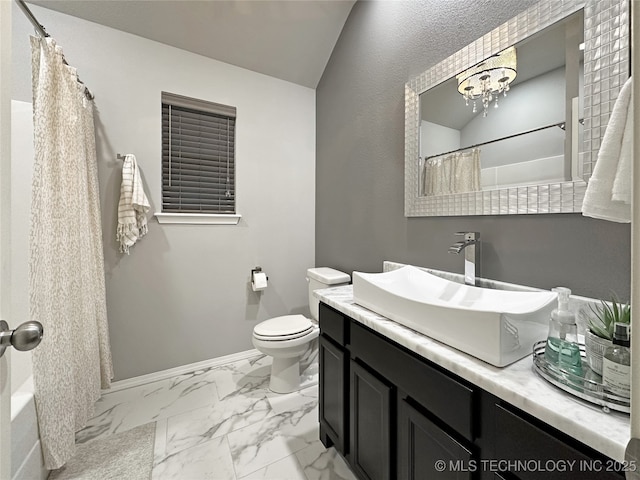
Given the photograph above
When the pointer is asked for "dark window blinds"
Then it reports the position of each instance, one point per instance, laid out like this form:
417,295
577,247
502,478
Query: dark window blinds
198,156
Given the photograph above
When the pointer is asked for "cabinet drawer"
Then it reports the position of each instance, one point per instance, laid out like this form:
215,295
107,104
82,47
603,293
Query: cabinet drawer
527,445
444,396
334,325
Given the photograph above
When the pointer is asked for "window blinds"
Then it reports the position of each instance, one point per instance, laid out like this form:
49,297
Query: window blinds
198,156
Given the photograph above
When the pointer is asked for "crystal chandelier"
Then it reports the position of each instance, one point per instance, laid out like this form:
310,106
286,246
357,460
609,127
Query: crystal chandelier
488,79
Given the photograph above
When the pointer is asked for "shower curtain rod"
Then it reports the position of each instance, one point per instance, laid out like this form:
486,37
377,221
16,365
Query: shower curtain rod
560,125
32,18
42,31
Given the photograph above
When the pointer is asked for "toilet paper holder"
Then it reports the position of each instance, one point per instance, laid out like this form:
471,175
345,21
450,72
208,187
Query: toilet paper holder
256,270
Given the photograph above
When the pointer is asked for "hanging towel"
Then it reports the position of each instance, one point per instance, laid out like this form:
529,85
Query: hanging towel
133,206
622,181
608,195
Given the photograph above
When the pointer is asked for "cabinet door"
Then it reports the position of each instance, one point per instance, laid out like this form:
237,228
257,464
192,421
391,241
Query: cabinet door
426,451
371,429
333,389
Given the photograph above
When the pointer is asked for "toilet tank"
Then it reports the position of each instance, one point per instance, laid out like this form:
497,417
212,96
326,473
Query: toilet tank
323,277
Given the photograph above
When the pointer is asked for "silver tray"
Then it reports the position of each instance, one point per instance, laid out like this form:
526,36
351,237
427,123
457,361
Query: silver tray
587,386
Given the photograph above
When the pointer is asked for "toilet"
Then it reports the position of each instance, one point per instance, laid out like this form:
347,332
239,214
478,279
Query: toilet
286,338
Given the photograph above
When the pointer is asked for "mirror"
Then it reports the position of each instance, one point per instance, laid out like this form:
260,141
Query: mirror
518,137
517,159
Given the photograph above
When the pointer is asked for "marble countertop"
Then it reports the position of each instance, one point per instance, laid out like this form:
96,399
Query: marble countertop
517,383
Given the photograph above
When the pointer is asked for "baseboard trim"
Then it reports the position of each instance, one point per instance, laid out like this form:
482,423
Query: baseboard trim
172,372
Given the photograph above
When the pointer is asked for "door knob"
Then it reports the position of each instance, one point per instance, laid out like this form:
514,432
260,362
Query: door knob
26,337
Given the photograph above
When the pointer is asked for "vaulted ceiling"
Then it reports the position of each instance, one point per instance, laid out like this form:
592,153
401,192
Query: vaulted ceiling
287,39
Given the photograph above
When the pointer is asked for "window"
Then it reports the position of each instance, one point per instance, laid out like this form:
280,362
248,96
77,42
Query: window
198,156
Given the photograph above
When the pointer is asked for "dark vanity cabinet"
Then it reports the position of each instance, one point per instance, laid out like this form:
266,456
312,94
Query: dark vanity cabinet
334,380
395,415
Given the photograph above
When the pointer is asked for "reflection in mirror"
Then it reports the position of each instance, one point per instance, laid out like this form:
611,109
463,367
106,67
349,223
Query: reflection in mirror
606,68
514,135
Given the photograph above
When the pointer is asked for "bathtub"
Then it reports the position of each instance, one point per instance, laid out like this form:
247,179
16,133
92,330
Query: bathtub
26,455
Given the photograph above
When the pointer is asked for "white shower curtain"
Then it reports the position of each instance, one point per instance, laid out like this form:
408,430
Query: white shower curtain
67,289
457,172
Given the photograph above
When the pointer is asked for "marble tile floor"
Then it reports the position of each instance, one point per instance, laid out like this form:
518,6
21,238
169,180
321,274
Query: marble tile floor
223,423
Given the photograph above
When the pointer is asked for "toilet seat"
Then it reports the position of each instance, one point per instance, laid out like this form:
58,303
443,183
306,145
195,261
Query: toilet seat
287,327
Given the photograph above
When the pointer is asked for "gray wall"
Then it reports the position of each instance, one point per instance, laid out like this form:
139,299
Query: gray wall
360,163
183,295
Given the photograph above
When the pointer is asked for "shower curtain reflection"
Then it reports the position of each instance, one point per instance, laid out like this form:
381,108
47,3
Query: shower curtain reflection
67,290
457,172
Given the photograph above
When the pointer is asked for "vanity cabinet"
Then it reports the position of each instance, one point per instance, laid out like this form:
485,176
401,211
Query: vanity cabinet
402,413
395,415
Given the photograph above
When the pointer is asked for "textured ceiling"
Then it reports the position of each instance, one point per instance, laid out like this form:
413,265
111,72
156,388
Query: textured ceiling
536,55
290,40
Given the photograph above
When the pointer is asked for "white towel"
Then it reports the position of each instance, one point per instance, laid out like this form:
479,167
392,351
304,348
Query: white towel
133,206
622,182
608,195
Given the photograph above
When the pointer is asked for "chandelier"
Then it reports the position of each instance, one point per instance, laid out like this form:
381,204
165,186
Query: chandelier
488,79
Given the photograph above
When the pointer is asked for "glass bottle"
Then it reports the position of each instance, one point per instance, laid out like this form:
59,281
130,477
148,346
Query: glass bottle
616,362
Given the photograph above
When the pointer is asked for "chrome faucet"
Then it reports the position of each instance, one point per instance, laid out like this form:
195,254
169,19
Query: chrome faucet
471,247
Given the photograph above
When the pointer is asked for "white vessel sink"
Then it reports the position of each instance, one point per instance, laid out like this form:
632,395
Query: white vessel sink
496,326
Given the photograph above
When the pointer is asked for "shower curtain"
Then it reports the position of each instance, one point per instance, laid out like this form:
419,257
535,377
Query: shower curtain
457,172
66,282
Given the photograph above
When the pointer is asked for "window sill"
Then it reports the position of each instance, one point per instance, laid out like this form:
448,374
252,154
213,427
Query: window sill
198,218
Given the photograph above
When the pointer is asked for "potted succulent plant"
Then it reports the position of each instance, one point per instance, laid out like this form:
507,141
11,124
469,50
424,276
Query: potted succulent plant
599,334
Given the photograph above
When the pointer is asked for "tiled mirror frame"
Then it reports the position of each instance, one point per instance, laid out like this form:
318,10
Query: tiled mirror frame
606,67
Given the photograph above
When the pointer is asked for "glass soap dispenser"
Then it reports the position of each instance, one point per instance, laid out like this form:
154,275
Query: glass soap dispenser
562,347
616,362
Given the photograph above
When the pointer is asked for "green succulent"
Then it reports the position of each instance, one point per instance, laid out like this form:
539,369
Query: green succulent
606,316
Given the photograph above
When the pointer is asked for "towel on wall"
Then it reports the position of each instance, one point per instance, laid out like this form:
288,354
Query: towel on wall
133,206
608,195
